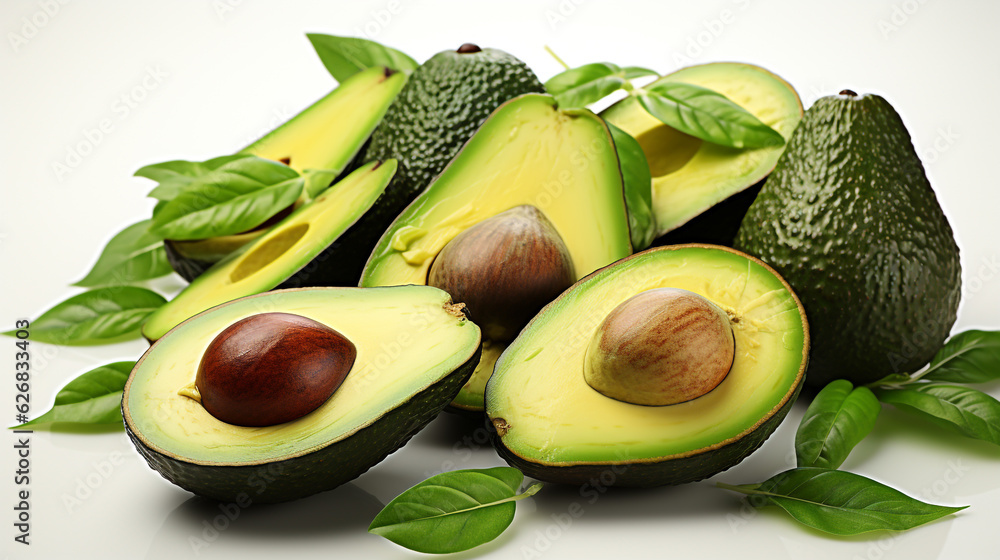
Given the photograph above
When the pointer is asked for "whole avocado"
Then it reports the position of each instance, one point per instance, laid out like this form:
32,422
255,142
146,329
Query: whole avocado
849,219
443,103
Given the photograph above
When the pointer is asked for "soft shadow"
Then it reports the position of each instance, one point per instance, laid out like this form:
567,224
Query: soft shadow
455,427
599,504
325,516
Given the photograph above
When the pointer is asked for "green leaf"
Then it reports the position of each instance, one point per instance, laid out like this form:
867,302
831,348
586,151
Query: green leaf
842,503
230,200
95,397
579,87
706,114
175,176
968,357
452,511
837,420
969,411
632,72
134,254
100,316
638,188
346,56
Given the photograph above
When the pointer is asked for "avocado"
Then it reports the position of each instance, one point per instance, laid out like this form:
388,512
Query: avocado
691,176
574,397
443,103
300,251
529,159
328,135
850,219
414,350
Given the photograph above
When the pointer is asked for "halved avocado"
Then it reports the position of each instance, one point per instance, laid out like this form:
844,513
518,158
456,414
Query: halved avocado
414,351
690,175
327,135
529,152
550,423
300,251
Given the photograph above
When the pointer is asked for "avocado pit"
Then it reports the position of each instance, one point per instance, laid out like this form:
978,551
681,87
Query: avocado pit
272,368
505,269
660,347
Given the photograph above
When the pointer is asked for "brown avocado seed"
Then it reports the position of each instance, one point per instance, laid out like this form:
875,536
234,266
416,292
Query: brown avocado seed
660,347
272,368
505,269
468,48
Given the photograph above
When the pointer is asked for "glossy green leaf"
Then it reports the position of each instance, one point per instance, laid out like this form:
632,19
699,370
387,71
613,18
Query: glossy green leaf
174,176
842,503
95,397
230,200
839,417
968,357
133,255
579,87
632,72
99,316
452,511
706,114
345,56
969,411
638,188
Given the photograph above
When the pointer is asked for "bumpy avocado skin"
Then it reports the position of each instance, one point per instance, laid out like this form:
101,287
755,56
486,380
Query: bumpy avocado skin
849,219
317,471
442,104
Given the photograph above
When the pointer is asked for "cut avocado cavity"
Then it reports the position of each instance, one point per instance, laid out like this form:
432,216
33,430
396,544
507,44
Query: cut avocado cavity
554,418
327,135
414,350
556,168
690,175
299,251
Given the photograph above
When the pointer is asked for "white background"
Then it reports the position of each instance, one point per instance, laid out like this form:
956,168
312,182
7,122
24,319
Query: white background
207,77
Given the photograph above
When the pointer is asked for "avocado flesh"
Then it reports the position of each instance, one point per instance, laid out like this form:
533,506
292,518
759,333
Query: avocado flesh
691,176
414,348
327,135
555,427
527,153
851,221
294,253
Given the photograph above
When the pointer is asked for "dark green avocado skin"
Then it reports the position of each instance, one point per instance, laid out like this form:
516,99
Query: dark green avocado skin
674,471
442,104
320,470
849,219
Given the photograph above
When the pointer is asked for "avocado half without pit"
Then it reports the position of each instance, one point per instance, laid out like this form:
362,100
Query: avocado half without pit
281,395
666,367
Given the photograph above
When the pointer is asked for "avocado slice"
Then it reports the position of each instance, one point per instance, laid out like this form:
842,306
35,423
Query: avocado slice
299,251
443,103
529,152
414,351
550,423
330,135
850,219
690,175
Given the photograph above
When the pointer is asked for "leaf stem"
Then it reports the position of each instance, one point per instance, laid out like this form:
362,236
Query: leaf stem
555,56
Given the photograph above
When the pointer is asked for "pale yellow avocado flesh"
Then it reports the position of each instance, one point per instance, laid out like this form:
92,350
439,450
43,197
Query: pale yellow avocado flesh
346,116
528,153
552,416
272,258
689,175
407,339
